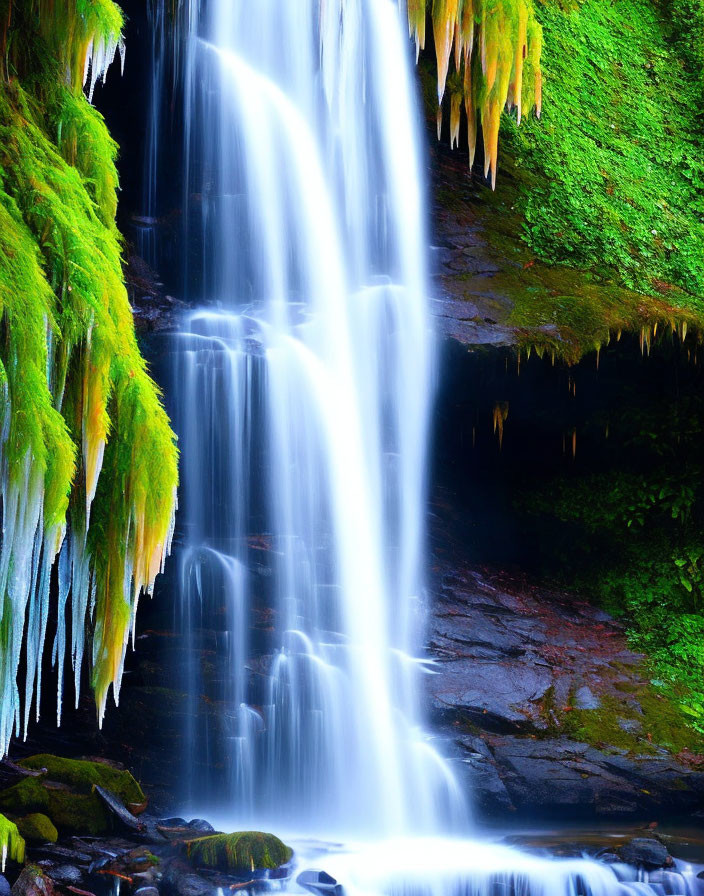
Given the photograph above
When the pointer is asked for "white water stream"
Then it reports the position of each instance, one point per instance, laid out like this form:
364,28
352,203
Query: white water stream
304,386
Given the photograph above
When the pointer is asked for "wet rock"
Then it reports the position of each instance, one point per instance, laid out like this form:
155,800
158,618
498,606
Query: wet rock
62,855
67,875
201,825
32,882
646,852
586,699
181,880
146,891
522,675
117,809
319,882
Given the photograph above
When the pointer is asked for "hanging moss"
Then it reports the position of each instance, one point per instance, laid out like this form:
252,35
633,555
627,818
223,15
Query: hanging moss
497,46
11,843
81,415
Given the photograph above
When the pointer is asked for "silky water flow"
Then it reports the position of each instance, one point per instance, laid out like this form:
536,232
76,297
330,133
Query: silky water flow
303,387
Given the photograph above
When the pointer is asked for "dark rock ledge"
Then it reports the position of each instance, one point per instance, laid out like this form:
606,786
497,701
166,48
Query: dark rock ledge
547,710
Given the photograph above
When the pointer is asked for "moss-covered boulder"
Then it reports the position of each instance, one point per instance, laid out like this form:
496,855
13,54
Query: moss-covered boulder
243,851
65,793
82,775
72,812
37,828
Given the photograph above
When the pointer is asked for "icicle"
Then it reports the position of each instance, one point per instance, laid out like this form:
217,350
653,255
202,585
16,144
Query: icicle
455,105
509,36
500,415
444,20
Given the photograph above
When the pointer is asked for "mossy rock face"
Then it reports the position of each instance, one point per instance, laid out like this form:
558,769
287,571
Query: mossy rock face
65,793
37,828
76,813
82,775
243,851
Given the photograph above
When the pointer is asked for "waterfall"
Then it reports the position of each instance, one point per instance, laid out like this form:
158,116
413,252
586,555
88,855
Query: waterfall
304,379
306,376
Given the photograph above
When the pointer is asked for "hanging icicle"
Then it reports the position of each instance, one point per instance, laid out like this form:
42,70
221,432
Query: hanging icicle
497,48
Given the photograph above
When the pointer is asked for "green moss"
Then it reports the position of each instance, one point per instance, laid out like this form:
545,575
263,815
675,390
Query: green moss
11,842
244,851
611,179
74,813
83,416
82,775
642,726
37,828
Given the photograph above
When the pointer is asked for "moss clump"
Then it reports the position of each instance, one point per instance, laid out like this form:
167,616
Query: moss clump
11,842
244,851
74,813
37,828
82,775
66,793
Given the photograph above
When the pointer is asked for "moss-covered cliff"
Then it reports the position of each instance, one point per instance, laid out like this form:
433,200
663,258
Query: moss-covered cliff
87,458
600,203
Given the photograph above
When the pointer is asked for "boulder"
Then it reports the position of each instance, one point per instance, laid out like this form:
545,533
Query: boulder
646,852
66,793
243,851
66,875
181,880
83,774
37,828
32,882
319,882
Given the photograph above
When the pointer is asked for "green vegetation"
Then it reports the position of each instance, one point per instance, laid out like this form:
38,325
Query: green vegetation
66,795
74,813
82,775
610,181
244,851
11,842
37,828
87,446
631,535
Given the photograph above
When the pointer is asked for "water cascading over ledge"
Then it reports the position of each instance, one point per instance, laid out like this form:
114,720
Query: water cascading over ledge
304,387
88,461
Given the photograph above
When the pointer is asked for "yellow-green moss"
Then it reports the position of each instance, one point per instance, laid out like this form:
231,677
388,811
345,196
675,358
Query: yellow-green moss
74,813
243,851
37,828
11,842
82,775
82,416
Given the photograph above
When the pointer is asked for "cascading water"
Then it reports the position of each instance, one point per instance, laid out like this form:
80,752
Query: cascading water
304,383
303,152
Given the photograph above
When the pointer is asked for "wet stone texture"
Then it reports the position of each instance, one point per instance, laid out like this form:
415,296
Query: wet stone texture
545,709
